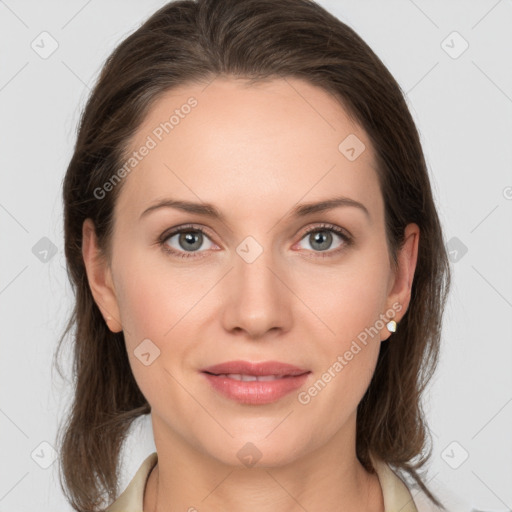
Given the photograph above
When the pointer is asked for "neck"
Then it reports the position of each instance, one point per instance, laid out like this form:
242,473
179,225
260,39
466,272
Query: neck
325,479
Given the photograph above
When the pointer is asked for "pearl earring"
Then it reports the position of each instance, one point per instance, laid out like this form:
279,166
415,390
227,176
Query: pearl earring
391,325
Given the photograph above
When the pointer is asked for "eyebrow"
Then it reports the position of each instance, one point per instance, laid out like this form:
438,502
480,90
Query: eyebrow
208,210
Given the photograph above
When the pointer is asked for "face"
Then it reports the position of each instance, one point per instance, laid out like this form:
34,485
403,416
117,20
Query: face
253,284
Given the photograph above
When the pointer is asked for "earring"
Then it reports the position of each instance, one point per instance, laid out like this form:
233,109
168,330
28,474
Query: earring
391,325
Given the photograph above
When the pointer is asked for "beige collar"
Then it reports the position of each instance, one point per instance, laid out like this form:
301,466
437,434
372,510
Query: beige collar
397,497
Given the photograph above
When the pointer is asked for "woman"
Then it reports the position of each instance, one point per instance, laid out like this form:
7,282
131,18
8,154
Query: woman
258,263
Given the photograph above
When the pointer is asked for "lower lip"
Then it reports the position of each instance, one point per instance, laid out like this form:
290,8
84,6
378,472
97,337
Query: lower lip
256,392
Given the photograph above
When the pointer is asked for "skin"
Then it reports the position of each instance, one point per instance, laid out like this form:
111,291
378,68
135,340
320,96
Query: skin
253,151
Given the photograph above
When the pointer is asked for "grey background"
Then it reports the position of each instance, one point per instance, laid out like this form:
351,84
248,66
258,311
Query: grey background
462,107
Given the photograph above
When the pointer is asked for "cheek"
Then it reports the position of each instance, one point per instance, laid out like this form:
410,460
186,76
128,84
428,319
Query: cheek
348,303
155,295
348,298
158,302
139,305
149,309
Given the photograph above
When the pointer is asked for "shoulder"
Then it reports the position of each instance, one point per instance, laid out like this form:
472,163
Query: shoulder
450,501
402,493
132,498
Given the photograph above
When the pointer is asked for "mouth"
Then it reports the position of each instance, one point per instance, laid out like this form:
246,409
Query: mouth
255,383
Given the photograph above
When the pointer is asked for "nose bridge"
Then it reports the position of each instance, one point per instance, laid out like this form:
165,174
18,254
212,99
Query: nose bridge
253,267
257,294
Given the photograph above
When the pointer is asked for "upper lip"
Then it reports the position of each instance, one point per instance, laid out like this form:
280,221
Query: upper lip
257,369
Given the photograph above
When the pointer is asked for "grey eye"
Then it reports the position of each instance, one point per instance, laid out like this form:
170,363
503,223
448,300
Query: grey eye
321,239
189,240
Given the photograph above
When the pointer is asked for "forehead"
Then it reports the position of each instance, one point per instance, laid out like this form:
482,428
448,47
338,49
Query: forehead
248,147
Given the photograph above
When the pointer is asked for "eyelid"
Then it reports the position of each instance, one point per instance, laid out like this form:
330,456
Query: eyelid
185,227
328,227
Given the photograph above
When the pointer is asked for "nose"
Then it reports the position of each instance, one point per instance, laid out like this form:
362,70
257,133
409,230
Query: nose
258,298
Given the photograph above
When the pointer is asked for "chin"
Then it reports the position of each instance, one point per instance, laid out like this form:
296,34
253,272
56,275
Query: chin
256,451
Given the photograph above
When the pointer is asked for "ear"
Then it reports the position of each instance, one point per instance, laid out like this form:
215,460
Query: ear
100,277
400,282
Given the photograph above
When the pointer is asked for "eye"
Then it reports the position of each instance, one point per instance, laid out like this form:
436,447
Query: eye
190,238
320,239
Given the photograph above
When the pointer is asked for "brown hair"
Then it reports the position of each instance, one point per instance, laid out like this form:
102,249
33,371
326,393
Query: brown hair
191,41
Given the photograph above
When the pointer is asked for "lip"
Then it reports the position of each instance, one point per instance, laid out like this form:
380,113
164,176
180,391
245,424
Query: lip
288,378
257,369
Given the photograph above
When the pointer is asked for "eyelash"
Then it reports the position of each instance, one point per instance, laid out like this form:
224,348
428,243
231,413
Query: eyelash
191,227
